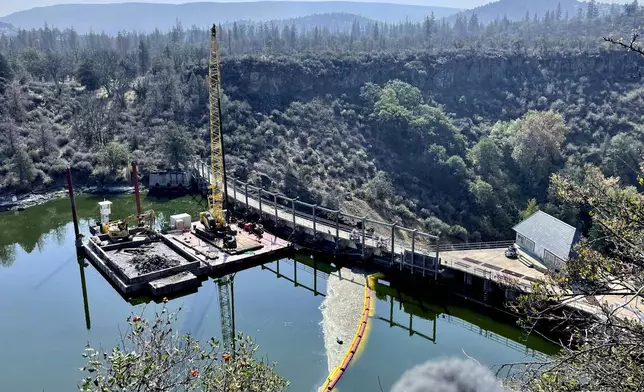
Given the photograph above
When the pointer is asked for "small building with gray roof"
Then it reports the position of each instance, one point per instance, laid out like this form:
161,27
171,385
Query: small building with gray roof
546,238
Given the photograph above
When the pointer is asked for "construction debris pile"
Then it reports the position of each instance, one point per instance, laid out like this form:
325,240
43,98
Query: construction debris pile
146,264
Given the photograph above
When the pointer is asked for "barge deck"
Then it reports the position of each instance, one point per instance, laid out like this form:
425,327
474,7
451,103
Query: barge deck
156,264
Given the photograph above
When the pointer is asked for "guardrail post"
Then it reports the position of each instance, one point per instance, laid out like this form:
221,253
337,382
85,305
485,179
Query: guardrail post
424,264
437,262
413,249
411,326
246,194
337,226
234,193
315,233
393,237
275,205
259,193
293,212
364,223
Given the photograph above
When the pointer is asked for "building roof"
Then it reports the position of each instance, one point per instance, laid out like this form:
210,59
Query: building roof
551,233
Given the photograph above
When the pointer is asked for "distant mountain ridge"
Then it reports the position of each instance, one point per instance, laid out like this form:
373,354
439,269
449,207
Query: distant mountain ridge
516,9
6,27
112,18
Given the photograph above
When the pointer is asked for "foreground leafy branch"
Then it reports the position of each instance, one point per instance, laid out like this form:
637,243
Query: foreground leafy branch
152,357
604,352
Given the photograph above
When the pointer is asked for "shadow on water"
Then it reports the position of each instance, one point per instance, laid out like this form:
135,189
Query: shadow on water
196,314
30,229
454,311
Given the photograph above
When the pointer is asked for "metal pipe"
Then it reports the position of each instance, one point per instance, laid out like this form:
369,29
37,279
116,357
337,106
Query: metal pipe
364,222
70,189
393,239
293,211
259,197
315,233
137,196
246,194
411,326
413,249
234,193
337,226
81,265
275,205
435,322
424,264
232,308
437,262
295,272
315,277
327,210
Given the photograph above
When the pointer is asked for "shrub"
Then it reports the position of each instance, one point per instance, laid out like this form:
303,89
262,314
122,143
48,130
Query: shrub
152,357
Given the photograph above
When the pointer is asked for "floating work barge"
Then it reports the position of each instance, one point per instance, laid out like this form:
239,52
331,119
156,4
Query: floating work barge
156,264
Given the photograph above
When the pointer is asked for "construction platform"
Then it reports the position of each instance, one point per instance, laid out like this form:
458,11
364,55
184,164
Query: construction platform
156,264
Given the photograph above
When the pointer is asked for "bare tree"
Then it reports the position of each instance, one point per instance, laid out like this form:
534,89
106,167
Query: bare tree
91,120
57,66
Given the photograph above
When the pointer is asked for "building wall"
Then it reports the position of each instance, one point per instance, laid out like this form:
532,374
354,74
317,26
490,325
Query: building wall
538,252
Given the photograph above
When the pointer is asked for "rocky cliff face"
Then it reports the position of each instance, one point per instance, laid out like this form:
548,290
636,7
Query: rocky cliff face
461,82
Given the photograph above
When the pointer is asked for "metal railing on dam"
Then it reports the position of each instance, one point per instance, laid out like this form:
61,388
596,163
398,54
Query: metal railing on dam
404,247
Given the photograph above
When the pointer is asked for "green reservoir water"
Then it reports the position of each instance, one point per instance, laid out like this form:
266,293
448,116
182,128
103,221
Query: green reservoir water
45,323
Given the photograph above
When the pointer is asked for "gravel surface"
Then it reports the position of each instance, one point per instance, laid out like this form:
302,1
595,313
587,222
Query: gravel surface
145,264
21,202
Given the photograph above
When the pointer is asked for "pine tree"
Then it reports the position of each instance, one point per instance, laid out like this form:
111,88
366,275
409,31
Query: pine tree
144,57
23,166
559,14
593,10
293,36
474,25
5,69
631,8
580,14
427,29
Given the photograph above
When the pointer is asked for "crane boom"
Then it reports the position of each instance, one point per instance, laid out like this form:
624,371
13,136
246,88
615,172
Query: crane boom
217,194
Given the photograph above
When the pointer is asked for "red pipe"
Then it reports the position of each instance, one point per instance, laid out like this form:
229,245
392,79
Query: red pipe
70,189
135,180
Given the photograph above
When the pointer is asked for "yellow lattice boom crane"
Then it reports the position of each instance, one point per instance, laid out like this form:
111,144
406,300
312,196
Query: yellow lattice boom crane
215,219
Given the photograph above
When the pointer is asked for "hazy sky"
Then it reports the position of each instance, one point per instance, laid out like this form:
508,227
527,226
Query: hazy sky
9,6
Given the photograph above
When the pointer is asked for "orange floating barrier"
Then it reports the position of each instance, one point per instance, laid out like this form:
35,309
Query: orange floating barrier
337,373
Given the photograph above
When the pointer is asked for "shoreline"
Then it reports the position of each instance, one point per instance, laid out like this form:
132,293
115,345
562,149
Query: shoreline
32,199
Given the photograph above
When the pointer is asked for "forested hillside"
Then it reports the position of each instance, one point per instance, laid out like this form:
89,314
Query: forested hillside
408,121
516,10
